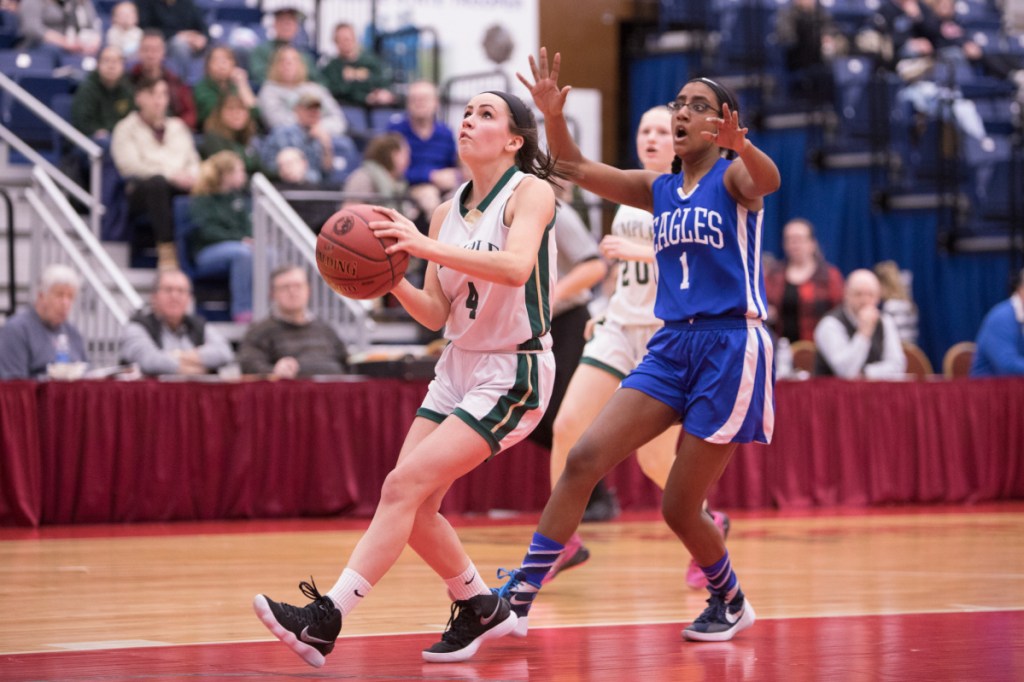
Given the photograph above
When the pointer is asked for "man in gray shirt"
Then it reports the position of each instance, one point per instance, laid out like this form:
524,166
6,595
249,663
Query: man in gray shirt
168,340
32,338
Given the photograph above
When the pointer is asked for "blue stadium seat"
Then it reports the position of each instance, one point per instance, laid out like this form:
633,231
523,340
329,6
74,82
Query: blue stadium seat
15,62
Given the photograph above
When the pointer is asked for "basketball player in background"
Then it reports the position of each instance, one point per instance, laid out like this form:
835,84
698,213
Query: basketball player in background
619,340
491,271
710,365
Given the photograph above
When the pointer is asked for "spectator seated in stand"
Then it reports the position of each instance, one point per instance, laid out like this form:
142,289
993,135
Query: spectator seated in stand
897,301
434,162
230,126
291,172
31,339
182,25
286,84
157,157
909,38
221,243
152,50
124,32
166,339
101,101
1000,344
292,342
856,339
803,286
307,134
356,76
104,98
68,26
287,30
809,37
221,77
380,178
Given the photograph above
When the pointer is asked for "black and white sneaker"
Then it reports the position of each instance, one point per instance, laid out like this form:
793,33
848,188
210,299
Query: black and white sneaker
309,631
473,621
721,621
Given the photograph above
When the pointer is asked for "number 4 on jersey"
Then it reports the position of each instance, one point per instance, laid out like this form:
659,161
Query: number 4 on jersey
472,301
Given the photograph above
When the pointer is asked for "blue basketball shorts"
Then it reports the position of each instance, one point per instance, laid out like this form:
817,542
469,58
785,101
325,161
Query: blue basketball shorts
718,374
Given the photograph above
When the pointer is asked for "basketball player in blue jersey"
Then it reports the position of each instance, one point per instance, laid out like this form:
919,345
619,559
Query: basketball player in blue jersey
491,271
710,365
619,340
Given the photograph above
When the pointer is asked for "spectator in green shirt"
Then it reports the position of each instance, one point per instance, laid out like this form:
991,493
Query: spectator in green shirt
354,76
221,76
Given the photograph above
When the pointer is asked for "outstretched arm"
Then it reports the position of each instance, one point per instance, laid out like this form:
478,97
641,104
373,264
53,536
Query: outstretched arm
631,187
756,175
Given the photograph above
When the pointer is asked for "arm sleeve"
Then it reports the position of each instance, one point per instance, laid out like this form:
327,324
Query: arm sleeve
215,351
30,18
998,341
14,355
893,364
138,347
844,355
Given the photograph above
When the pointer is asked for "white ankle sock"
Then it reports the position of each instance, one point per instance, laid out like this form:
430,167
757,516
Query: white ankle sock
349,591
467,584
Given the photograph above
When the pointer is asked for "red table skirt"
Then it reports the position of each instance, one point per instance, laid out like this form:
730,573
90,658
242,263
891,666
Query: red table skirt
98,452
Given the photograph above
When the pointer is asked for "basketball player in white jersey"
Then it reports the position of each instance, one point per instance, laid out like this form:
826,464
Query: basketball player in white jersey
491,270
619,340
710,366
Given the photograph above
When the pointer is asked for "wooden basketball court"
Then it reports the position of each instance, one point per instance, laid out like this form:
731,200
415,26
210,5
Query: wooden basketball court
909,594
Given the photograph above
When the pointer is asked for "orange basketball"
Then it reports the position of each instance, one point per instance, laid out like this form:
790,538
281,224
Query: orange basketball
352,260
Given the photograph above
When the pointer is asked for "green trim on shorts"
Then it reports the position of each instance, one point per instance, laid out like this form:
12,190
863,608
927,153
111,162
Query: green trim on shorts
427,413
475,424
602,366
520,399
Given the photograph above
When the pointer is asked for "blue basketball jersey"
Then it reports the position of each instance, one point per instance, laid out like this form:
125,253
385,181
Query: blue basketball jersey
708,250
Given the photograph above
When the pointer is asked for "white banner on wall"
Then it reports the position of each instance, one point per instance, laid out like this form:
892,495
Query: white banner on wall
510,27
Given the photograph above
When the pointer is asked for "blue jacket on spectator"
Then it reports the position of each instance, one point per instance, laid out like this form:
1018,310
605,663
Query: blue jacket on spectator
1000,350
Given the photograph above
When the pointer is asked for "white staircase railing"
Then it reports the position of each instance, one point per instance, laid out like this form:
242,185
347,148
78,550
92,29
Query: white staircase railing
91,198
281,233
59,235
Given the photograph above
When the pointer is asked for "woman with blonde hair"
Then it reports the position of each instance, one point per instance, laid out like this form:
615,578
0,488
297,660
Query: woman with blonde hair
287,82
896,299
221,243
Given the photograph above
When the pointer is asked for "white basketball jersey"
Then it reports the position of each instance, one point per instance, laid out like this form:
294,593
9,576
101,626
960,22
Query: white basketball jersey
636,287
486,316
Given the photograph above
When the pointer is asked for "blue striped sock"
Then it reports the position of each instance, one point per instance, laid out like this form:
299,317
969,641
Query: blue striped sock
721,578
539,558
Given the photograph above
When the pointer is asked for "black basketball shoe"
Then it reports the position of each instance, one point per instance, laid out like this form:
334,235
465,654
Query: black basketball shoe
473,621
309,631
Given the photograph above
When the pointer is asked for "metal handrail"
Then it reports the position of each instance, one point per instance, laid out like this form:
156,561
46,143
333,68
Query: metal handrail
87,272
69,132
12,280
90,240
266,197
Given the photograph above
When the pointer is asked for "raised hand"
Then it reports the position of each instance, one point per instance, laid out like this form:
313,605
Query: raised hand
544,89
729,135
